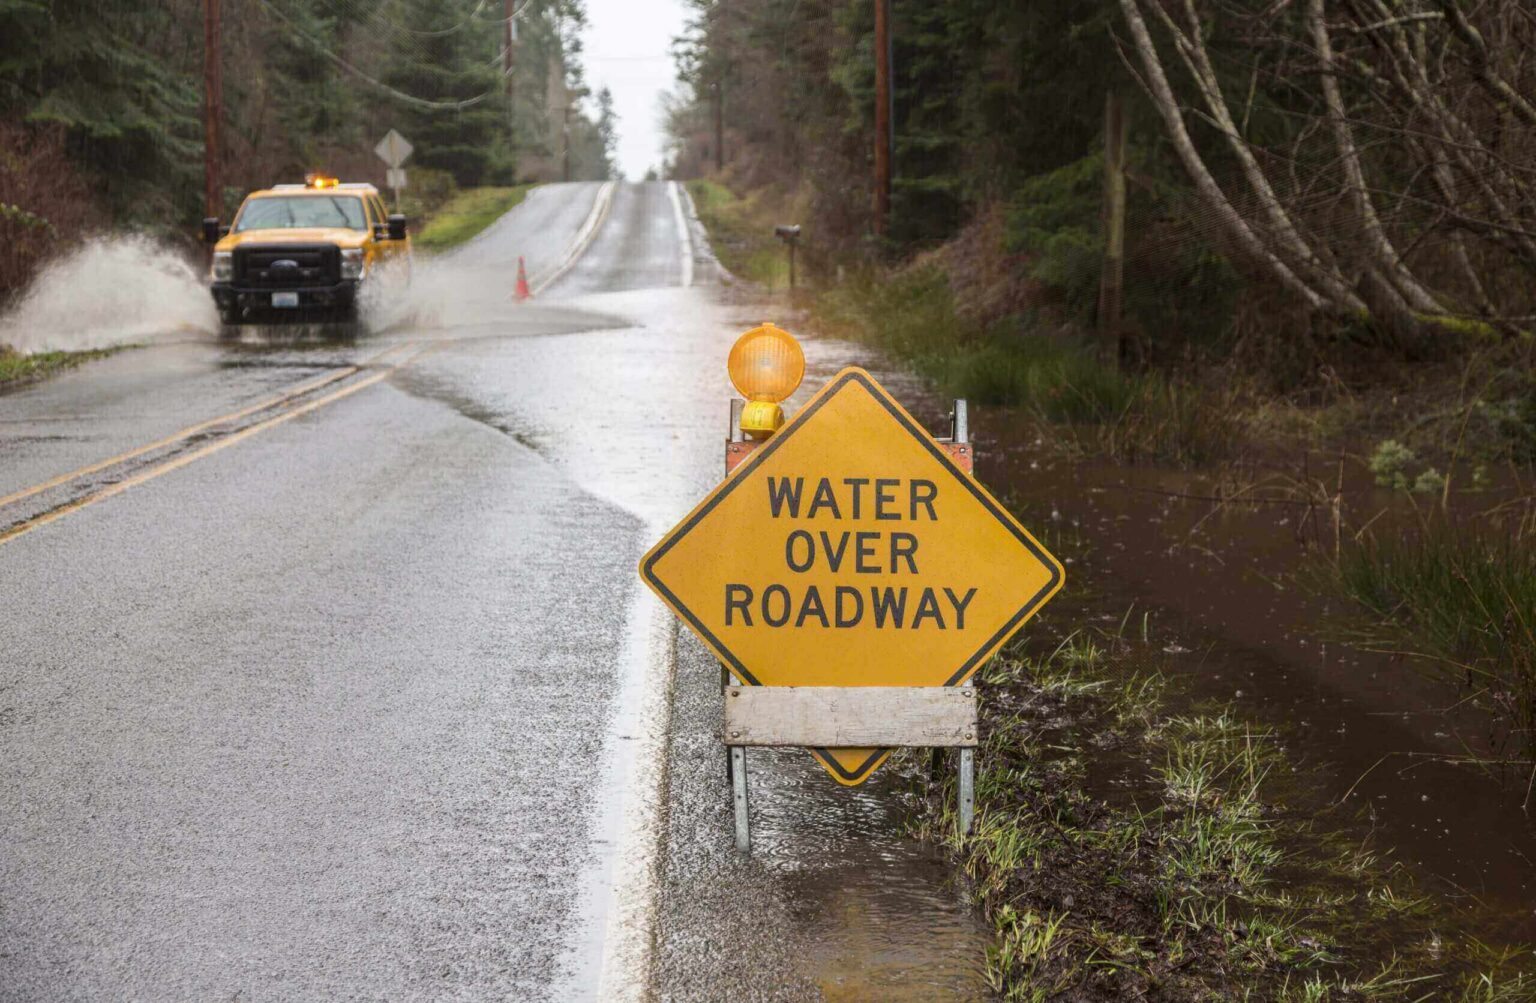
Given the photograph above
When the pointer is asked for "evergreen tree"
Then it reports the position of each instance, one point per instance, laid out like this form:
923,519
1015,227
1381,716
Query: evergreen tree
440,56
101,71
608,133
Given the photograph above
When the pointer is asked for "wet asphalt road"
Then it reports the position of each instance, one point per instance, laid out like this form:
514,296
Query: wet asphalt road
370,705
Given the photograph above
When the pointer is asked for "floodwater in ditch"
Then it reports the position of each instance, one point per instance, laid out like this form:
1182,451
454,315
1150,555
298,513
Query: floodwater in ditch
1395,755
1374,733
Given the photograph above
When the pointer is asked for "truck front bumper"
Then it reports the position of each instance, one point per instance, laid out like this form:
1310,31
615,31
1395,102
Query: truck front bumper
241,301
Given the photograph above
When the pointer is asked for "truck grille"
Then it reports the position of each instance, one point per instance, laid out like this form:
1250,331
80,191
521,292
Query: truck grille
288,266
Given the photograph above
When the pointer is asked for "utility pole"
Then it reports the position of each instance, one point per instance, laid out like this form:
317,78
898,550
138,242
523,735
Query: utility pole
1112,278
565,137
509,60
890,92
719,123
882,116
213,107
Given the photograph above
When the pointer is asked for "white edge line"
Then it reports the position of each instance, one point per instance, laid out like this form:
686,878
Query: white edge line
629,937
682,232
584,236
696,226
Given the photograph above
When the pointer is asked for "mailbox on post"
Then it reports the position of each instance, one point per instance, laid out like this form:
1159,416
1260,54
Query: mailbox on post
790,235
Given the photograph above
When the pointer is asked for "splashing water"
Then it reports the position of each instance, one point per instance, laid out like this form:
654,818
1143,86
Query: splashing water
440,293
110,291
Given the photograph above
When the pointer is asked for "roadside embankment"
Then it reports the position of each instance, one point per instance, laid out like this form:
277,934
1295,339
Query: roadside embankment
1363,442
1264,810
1132,843
465,214
741,230
16,368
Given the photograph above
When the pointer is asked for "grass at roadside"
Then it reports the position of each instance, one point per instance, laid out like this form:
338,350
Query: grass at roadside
16,368
466,214
741,233
1465,597
1125,851
913,315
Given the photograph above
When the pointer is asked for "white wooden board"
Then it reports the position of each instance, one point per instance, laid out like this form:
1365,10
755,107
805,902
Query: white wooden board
851,716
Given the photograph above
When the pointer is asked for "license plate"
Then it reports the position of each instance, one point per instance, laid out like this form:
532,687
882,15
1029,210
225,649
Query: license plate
285,299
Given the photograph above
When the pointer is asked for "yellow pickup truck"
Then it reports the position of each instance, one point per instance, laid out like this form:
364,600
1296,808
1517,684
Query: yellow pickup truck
303,252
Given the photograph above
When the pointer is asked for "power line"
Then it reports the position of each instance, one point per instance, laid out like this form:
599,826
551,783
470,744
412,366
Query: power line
429,33
413,40
400,95
473,17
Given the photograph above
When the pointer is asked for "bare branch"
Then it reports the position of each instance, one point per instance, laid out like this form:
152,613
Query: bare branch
1392,22
1482,63
1192,49
1391,265
1216,201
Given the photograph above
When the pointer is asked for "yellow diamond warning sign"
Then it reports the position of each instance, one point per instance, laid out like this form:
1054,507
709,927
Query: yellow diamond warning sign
850,550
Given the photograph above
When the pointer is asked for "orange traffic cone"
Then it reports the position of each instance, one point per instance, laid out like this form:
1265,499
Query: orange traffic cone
523,291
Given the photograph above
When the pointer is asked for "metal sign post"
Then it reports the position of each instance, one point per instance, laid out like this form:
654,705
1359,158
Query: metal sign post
850,574
960,439
395,178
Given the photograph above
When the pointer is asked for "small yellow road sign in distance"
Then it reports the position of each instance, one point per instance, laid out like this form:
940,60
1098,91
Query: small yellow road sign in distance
850,550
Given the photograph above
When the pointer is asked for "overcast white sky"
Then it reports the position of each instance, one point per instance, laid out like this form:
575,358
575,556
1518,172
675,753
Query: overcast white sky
628,49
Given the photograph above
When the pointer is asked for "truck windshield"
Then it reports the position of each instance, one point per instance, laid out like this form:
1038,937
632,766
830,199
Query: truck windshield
277,212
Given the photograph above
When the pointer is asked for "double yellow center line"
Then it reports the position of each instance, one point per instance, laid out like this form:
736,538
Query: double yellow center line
118,487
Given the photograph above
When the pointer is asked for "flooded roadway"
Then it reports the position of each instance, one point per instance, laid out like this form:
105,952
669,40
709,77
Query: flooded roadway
371,703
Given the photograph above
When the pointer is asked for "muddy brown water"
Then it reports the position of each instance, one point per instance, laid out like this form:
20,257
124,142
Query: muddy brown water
1376,733
883,915
1379,743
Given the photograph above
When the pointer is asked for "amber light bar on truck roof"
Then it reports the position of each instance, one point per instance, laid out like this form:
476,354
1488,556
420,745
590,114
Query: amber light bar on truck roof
344,186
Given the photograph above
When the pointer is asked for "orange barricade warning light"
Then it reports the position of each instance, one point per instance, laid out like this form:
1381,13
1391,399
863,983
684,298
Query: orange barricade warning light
766,365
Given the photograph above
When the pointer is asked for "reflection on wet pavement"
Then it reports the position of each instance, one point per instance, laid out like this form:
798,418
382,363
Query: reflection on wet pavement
378,668
835,894
882,914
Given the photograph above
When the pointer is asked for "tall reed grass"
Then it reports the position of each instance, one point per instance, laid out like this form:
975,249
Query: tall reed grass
1465,595
1054,378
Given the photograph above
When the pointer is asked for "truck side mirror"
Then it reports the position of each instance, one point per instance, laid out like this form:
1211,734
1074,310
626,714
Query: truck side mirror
396,227
211,230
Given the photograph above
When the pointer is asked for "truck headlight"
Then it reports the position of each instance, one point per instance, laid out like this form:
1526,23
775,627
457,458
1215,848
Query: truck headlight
223,266
352,263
